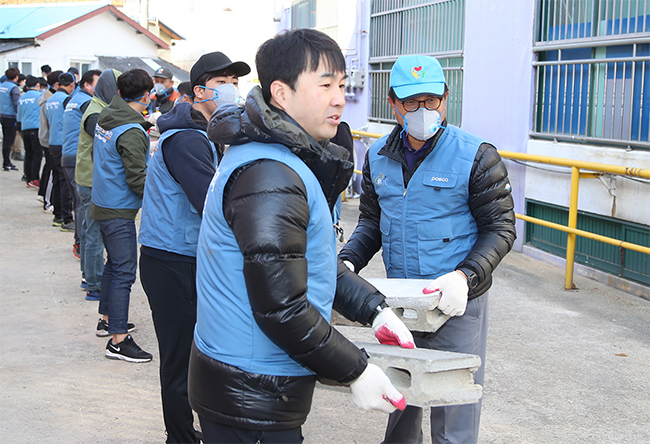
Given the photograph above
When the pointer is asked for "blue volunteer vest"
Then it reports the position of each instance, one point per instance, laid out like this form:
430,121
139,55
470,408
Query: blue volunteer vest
427,228
225,329
7,108
29,112
169,221
72,122
110,189
54,113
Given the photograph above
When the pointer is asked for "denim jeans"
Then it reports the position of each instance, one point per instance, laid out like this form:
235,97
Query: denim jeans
119,273
91,244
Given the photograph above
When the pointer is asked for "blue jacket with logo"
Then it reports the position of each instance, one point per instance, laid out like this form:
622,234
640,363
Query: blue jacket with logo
454,211
54,110
9,95
169,221
72,125
29,111
110,188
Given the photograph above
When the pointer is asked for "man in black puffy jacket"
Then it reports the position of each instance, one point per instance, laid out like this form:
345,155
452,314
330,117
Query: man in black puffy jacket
267,274
437,200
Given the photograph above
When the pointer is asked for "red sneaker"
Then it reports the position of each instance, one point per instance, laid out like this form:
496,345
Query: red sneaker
75,251
34,184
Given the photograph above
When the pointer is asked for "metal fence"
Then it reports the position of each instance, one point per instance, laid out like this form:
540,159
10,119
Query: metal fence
401,27
593,71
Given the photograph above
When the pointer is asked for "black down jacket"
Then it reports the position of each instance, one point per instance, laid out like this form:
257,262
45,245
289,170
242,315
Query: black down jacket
490,202
265,206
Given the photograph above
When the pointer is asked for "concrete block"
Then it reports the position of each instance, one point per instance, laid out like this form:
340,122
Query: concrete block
417,310
426,378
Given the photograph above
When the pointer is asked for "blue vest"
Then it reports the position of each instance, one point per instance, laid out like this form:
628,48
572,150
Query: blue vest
169,221
29,111
225,329
72,122
110,189
7,108
427,228
54,113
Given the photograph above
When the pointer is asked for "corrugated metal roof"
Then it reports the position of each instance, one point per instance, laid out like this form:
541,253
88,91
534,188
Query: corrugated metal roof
29,21
150,65
12,45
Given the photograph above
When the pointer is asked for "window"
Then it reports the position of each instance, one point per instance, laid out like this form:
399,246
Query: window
316,14
593,71
401,27
83,67
27,68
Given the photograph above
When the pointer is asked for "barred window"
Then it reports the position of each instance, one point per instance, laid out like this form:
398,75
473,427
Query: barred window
403,27
593,71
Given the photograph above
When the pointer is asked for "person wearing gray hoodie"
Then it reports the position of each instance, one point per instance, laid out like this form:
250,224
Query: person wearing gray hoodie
91,245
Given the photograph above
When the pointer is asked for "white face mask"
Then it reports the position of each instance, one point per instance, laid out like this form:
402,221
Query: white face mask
422,124
222,94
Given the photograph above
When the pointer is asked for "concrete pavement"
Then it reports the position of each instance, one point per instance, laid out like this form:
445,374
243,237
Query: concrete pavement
562,367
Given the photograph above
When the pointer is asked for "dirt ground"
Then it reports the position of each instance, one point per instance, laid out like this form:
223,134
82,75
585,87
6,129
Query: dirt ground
562,367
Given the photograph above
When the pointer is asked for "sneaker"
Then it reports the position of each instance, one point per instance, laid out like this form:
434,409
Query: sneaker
127,350
67,226
17,156
39,197
57,222
34,184
10,167
48,208
84,284
24,178
102,328
76,251
92,295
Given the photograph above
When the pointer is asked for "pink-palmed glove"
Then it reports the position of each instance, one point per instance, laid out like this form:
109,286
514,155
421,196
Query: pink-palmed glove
453,289
389,329
374,391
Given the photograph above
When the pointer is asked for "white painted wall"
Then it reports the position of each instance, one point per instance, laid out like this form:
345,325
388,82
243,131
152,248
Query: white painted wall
102,35
632,200
498,82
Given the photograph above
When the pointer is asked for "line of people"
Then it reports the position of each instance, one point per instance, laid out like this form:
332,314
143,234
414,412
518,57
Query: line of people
238,252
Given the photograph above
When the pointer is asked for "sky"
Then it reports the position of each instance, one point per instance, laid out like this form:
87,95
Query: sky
234,27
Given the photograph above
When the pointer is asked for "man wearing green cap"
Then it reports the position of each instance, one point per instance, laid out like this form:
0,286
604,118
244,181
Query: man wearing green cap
437,200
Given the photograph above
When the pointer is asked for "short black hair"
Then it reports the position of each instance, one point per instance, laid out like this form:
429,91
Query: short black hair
53,77
65,79
12,73
42,82
185,88
89,76
31,81
134,83
394,98
21,77
46,69
211,75
289,54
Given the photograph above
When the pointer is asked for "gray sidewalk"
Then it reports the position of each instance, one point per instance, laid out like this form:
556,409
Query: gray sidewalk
562,367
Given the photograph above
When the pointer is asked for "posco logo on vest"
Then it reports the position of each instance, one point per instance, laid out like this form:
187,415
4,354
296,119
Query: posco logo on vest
102,134
440,179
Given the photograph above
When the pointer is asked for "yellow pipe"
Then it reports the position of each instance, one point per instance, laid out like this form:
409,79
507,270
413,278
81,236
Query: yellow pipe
588,235
590,175
573,223
593,166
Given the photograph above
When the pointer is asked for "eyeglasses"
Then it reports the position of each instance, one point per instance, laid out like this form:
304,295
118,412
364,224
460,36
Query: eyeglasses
431,103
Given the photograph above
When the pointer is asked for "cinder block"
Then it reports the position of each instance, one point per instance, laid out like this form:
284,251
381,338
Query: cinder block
427,378
417,310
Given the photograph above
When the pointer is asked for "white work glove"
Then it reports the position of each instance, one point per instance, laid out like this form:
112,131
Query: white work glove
349,265
389,329
453,293
374,391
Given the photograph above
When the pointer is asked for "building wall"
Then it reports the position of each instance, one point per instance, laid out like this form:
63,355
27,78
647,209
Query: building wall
627,199
101,35
498,87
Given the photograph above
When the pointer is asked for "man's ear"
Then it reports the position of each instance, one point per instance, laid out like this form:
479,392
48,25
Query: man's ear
198,92
391,102
279,93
